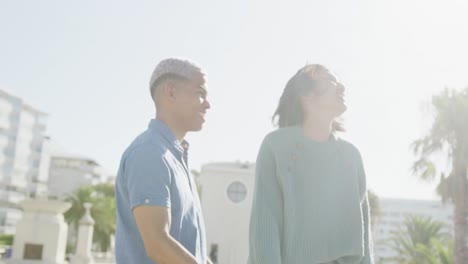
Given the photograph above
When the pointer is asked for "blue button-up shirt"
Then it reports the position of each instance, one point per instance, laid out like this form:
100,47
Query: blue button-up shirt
154,171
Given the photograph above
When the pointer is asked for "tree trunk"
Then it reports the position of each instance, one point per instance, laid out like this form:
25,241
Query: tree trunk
460,254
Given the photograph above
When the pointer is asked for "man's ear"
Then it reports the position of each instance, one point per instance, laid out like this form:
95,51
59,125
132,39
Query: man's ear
169,89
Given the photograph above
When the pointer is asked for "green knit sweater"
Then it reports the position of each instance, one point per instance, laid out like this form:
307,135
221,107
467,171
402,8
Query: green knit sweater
310,202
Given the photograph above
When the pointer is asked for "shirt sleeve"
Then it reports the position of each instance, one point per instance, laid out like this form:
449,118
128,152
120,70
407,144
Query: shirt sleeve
266,222
148,177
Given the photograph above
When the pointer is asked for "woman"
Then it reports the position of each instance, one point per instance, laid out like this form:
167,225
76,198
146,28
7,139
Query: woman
310,203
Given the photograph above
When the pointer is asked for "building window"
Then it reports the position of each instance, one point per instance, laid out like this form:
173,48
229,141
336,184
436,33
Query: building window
237,192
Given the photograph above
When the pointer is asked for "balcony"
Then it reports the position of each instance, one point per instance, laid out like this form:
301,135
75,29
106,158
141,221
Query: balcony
11,198
9,151
4,124
39,127
36,147
4,140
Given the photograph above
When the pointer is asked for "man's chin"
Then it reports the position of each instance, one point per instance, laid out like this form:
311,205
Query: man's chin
340,110
342,107
196,128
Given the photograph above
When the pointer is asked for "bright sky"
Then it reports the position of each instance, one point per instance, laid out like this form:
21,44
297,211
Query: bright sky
87,64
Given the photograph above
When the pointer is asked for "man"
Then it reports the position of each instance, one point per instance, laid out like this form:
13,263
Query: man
159,218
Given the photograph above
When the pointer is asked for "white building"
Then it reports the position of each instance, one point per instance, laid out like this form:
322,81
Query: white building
393,215
226,197
23,165
68,172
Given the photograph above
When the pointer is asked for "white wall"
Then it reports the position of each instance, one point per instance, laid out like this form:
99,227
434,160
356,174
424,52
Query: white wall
227,223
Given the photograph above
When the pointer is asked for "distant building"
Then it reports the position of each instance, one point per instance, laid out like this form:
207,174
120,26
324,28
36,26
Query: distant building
68,172
226,197
393,215
23,162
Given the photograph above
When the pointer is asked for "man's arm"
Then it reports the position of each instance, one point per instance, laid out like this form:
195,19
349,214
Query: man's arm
154,224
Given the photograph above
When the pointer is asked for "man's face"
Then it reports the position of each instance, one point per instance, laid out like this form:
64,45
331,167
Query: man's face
191,104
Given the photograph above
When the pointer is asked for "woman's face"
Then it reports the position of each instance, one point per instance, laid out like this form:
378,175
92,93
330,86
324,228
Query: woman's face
327,98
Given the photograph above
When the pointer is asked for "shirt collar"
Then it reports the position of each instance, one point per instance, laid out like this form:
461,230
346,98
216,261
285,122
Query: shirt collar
161,128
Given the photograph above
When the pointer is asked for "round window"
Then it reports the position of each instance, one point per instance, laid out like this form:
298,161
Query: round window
237,192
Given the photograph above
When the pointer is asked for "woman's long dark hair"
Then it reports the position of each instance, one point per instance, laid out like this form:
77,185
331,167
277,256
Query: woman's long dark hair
290,111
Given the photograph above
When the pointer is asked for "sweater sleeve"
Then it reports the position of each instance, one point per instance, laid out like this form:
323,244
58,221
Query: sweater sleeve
368,247
266,220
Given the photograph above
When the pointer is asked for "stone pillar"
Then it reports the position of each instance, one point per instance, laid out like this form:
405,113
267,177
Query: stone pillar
85,239
41,235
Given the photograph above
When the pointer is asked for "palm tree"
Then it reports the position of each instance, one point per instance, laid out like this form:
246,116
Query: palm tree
416,241
449,136
77,199
437,252
103,211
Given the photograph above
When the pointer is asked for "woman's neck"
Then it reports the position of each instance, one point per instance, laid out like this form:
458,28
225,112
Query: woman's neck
317,129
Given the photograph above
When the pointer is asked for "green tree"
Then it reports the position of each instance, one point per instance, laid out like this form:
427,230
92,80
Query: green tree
103,211
448,136
6,239
417,240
